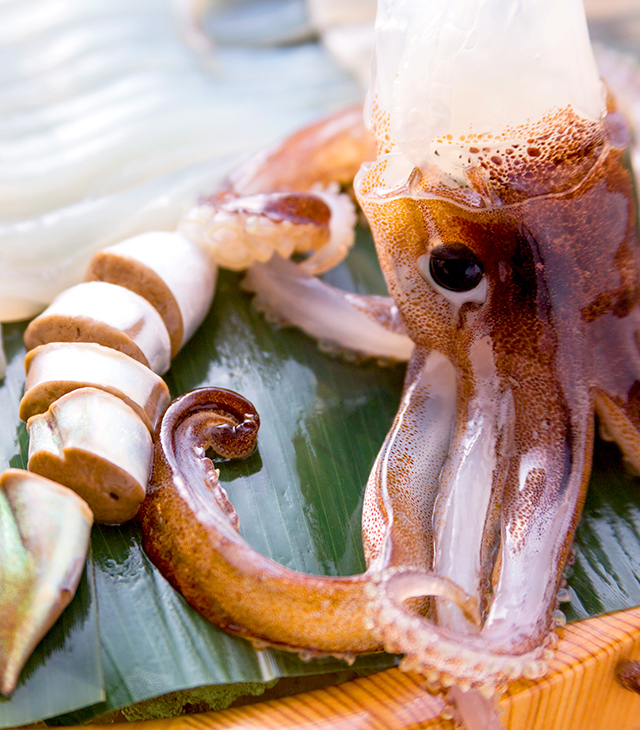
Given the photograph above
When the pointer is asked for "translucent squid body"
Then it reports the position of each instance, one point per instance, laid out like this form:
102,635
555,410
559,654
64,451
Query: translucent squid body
505,225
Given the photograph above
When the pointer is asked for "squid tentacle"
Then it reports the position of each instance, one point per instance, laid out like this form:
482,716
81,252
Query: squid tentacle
368,326
272,204
190,532
187,514
238,231
332,149
440,654
272,207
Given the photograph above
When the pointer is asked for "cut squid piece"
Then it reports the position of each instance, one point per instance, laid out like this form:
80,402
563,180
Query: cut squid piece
368,327
95,444
61,367
169,271
109,315
44,538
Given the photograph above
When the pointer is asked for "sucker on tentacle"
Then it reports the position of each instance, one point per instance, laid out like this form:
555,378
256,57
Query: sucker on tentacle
240,230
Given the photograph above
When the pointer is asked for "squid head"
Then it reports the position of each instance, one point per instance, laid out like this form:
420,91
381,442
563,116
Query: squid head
519,287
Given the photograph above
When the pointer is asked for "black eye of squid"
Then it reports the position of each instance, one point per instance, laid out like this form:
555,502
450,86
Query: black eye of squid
455,267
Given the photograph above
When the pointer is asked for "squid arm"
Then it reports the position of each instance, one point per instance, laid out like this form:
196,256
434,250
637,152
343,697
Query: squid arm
190,532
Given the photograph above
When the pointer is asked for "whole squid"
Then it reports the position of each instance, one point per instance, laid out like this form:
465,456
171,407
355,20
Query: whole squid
501,201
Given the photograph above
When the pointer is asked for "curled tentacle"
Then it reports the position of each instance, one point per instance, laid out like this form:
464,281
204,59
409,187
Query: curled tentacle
190,532
237,231
274,204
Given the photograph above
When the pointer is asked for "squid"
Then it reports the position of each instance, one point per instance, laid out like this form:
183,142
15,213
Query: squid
503,212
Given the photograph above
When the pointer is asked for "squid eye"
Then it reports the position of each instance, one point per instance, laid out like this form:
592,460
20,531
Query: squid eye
454,267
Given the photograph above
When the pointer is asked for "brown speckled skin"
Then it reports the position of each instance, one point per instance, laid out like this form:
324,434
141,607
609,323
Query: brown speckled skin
560,320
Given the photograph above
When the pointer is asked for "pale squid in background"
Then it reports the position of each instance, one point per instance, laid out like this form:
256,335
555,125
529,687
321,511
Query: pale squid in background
502,206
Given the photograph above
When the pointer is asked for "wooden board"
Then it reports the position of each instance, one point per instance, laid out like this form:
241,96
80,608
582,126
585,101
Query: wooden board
580,692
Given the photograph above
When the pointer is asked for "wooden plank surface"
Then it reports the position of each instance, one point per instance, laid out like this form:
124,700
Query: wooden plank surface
580,692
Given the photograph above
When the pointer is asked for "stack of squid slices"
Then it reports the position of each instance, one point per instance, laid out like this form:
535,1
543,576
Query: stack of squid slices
93,396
